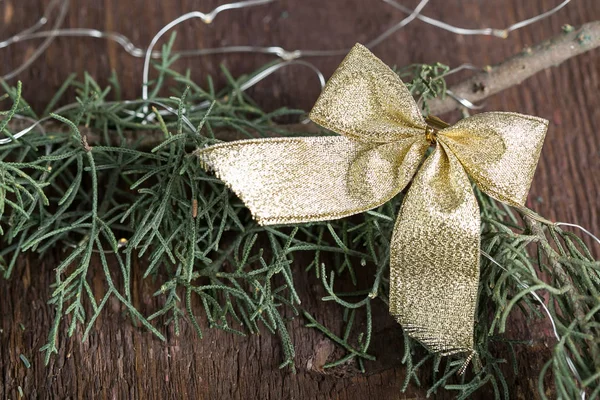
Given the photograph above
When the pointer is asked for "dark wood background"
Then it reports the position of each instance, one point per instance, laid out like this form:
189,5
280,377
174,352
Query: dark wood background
120,361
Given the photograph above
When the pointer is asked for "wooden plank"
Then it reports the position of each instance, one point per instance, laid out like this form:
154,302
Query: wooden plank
121,361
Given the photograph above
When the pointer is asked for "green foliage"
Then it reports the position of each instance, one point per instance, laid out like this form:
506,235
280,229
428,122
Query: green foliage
125,169
425,81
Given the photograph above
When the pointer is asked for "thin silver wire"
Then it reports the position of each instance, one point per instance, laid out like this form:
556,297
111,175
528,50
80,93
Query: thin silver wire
40,127
414,14
71,106
464,102
46,43
135,51
167,109
128,46
543,304
138,52
461,67
537,18
264,74
280,52
119,38
580,227
23,132
501,33
43,20
206,18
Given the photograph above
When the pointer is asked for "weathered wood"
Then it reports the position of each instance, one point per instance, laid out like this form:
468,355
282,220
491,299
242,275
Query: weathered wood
122,361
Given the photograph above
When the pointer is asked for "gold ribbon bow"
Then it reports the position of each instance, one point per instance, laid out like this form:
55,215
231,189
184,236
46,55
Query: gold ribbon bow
434,257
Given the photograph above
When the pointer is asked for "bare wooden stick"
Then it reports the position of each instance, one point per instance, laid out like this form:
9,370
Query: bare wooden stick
550,53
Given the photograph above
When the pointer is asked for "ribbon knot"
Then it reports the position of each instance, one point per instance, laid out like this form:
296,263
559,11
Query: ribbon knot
431,134
434,250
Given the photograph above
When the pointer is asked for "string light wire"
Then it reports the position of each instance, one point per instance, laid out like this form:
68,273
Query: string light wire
534,294
414,14
64,6
33,33
286,55
590,234
206,18
501,33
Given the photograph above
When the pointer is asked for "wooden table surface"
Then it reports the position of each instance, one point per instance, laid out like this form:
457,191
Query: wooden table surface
121,361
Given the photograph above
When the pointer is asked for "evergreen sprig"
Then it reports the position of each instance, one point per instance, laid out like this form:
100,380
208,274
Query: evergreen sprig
102,196
425,81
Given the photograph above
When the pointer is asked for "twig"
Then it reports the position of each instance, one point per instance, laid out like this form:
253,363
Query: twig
549,53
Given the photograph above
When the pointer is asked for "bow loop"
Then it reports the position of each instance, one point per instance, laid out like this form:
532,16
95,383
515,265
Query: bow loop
366,100
499,151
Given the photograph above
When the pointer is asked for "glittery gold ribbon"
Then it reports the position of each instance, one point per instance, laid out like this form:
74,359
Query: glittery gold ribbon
434,256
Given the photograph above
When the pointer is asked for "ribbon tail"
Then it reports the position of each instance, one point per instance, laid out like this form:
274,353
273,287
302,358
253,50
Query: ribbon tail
306,179
434,256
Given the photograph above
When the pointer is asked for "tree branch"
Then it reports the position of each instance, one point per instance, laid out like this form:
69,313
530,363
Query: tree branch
550,53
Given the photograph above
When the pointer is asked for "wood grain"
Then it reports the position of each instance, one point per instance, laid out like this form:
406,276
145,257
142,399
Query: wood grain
122,361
